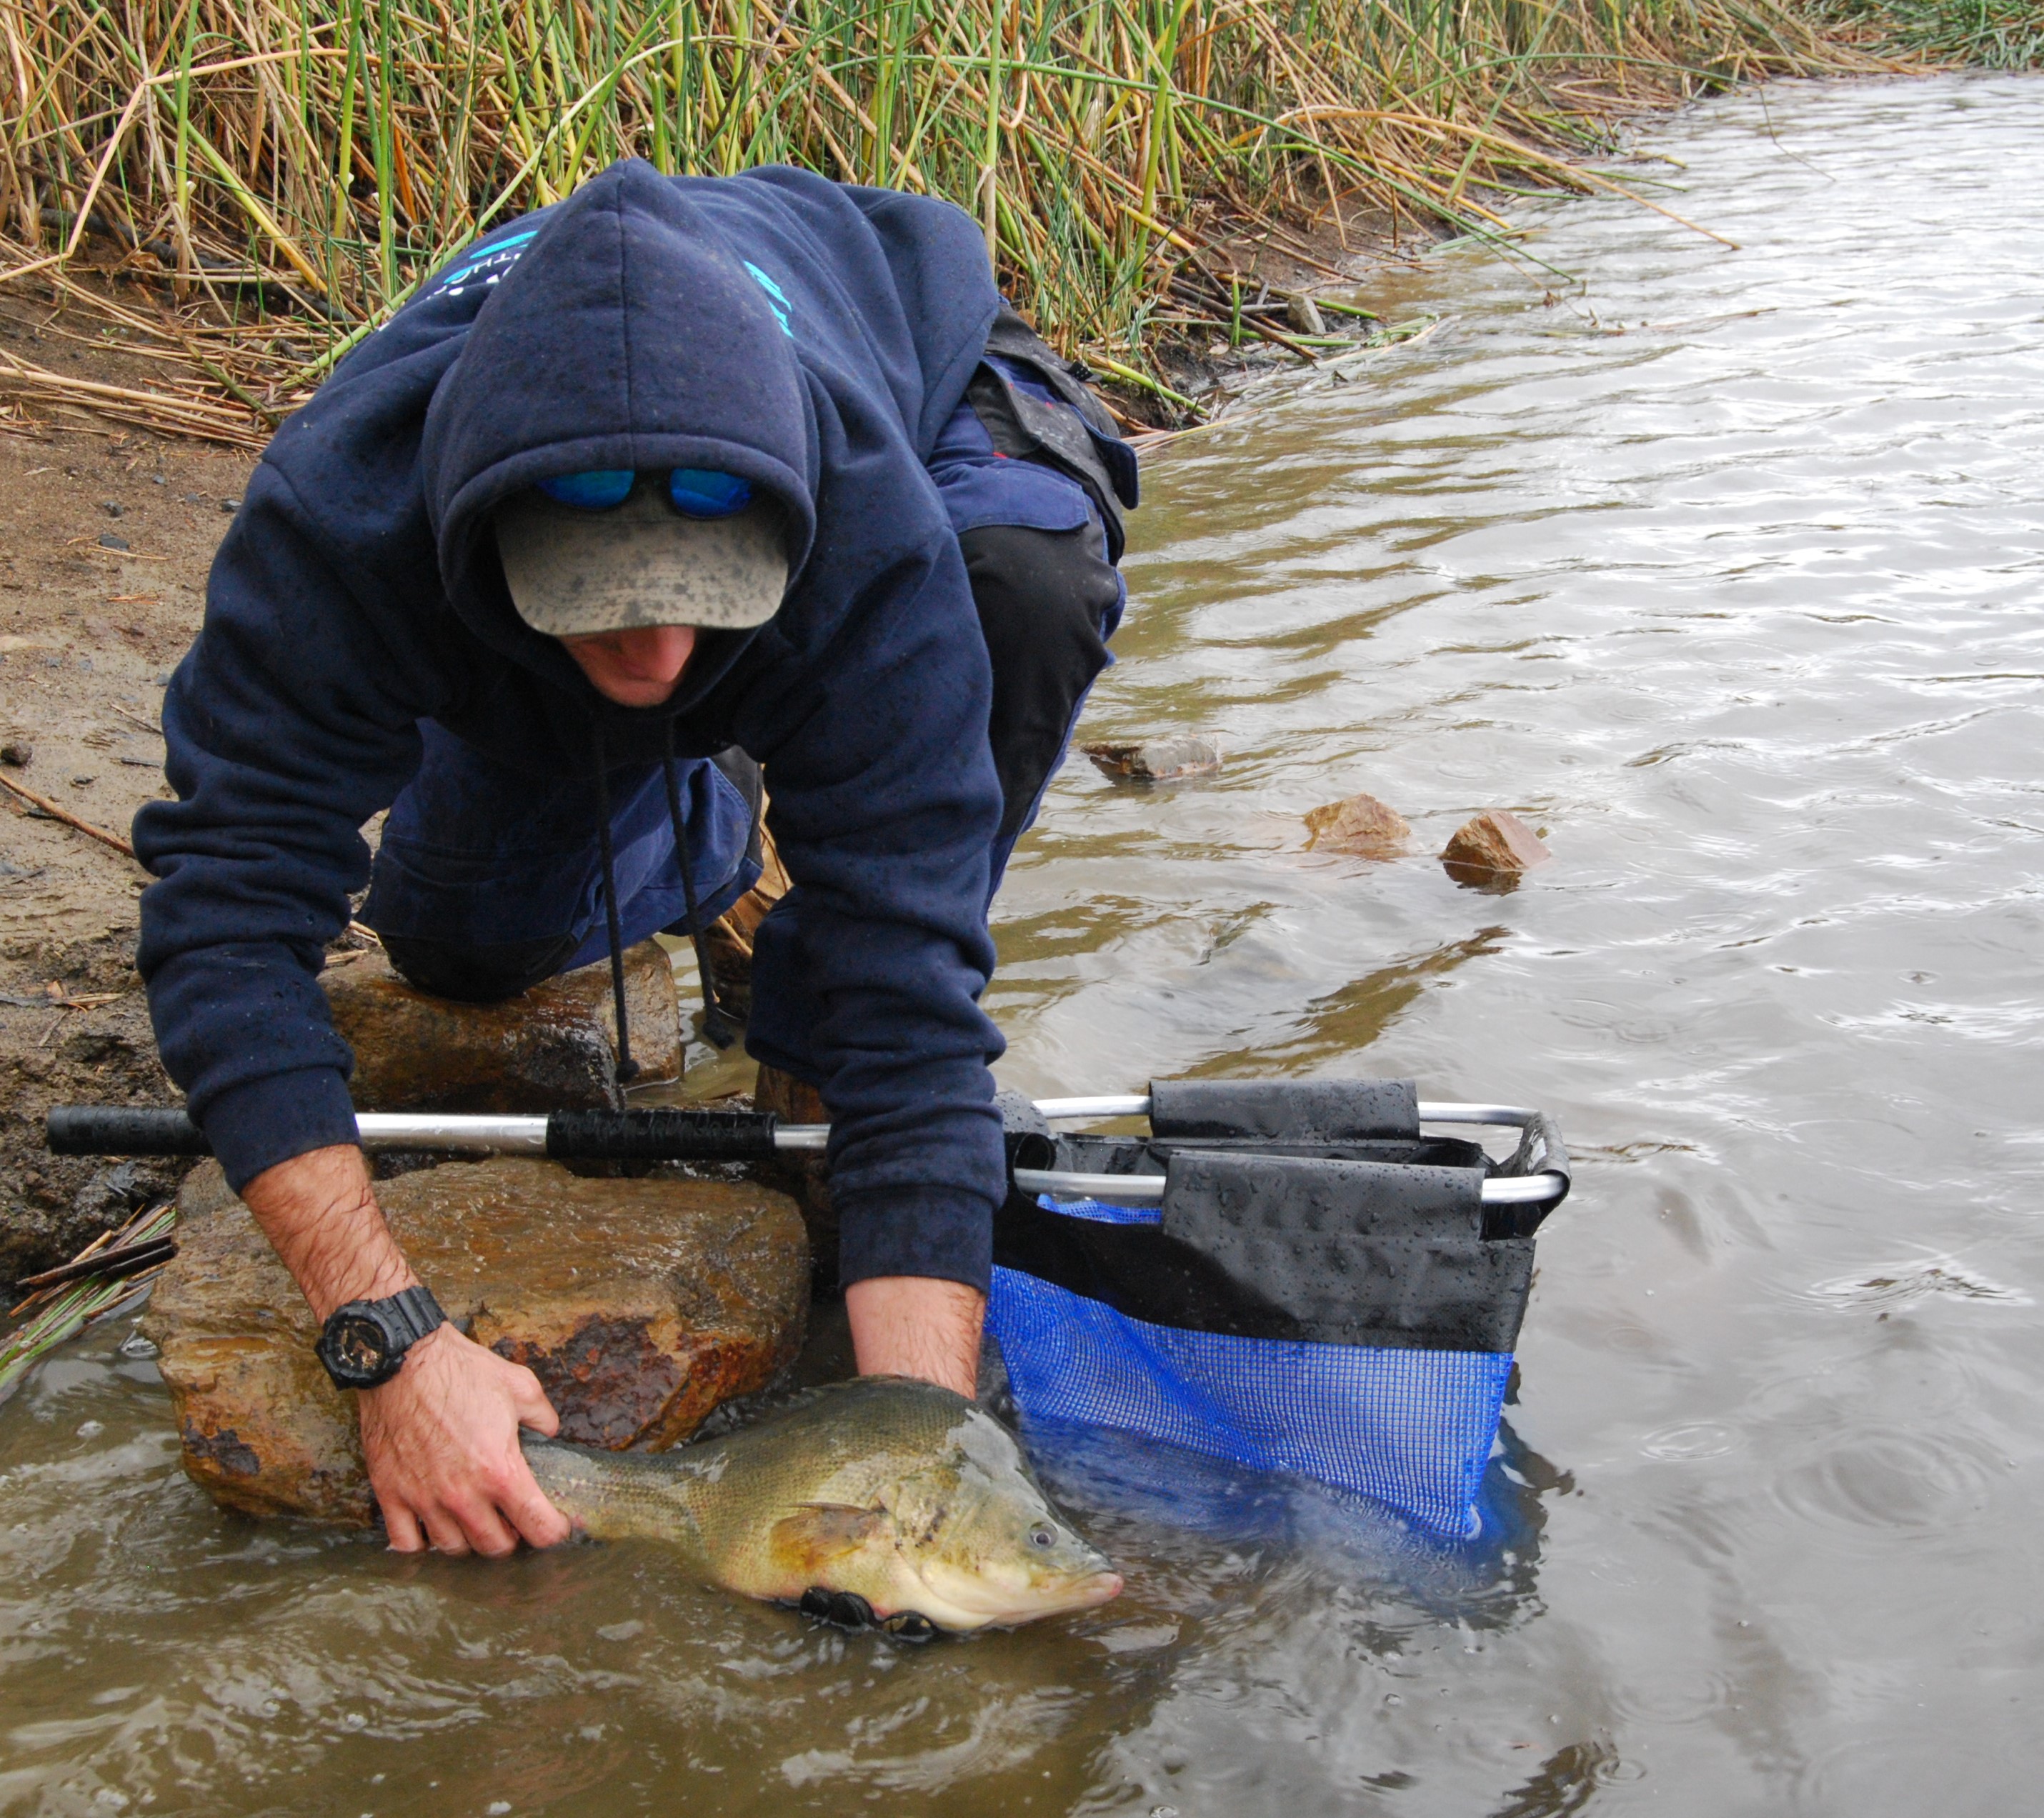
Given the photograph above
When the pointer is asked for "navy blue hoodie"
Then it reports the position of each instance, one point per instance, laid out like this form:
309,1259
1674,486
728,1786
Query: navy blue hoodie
810,335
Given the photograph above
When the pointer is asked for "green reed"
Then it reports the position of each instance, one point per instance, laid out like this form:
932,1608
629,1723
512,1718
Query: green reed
1993,34
58,1314
348,147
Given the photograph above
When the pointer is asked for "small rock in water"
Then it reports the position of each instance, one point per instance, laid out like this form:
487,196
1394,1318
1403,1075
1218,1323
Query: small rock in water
1492,848
1157,760
1305,315
1361,826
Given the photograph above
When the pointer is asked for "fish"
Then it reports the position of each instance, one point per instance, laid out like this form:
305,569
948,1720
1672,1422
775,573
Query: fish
882,1501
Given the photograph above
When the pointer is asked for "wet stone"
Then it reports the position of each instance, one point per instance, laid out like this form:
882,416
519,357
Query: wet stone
641,1305
1157,760
552,1048
1491,849
1303,315
1360,825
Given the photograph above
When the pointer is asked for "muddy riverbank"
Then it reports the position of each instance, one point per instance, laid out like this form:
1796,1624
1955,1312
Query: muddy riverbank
104,541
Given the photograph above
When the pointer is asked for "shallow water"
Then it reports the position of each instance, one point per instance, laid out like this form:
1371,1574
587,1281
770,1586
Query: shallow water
1739,605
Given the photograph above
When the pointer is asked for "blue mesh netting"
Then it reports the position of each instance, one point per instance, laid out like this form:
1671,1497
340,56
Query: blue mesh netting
1411,1428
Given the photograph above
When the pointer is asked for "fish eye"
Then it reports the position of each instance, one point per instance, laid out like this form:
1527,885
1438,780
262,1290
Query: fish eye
1042,1537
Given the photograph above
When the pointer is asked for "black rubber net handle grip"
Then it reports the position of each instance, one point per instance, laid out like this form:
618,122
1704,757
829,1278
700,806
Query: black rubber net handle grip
122,1130
662,1135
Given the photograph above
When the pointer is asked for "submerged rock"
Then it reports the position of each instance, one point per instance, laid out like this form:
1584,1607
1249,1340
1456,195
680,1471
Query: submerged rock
1361,826
552,1048
1491,849
641,1305
1157,760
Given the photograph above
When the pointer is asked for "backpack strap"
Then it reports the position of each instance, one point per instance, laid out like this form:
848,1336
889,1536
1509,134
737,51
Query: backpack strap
1079,440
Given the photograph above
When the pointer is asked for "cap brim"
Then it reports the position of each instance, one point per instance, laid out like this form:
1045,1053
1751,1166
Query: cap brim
574,573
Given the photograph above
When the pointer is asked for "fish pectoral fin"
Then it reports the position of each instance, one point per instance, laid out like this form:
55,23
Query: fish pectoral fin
820,1532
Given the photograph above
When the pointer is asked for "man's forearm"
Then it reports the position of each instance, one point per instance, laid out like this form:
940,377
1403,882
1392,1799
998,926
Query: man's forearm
320,1212
440,1438
917,1325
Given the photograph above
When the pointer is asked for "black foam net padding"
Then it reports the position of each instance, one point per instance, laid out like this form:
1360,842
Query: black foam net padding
1540,1152
1384,1243
1356,1252
662,1135
1018,1115
1304,1110
1084,1155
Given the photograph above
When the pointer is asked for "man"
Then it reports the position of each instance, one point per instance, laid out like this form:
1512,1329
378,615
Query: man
678,478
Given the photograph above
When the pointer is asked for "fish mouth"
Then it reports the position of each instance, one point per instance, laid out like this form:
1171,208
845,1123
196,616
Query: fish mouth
1089,1592
972,1603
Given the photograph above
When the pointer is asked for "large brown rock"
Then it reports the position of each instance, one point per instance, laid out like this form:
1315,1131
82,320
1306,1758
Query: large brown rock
1490,850
641,1305
552,1048
1360,825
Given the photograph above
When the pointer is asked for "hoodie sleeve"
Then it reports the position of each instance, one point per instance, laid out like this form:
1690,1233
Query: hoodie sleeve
288,724
869,974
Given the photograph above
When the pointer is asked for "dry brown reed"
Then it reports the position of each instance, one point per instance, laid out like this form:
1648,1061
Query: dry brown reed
284,173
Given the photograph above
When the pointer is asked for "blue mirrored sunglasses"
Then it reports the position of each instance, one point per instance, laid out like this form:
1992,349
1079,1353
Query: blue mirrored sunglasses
696,491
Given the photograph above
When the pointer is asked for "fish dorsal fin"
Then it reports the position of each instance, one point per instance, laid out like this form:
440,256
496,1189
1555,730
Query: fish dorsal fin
820,1532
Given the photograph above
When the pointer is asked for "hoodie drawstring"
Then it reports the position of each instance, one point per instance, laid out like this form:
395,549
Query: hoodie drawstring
719,1028
627,1068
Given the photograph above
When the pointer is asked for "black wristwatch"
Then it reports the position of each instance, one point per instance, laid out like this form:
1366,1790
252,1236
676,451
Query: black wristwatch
364,1343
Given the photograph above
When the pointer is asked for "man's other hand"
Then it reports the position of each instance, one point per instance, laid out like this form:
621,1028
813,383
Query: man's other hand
917,1325
441,1441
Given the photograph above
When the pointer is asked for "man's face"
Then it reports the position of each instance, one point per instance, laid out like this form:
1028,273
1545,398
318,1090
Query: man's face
640,668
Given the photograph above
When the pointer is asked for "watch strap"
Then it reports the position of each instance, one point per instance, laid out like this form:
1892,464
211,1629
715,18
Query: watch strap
414,1312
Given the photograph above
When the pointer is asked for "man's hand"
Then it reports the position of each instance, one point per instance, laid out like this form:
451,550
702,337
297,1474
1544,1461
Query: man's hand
917,1325
441,1437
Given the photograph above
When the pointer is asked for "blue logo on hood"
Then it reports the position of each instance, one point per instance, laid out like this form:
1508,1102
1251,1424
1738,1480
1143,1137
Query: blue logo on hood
777,299
489,262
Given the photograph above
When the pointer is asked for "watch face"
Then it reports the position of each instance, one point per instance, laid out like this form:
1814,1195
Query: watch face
355,1349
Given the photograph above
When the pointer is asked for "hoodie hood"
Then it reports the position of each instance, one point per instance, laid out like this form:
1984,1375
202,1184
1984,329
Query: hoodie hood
630,332
812,336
